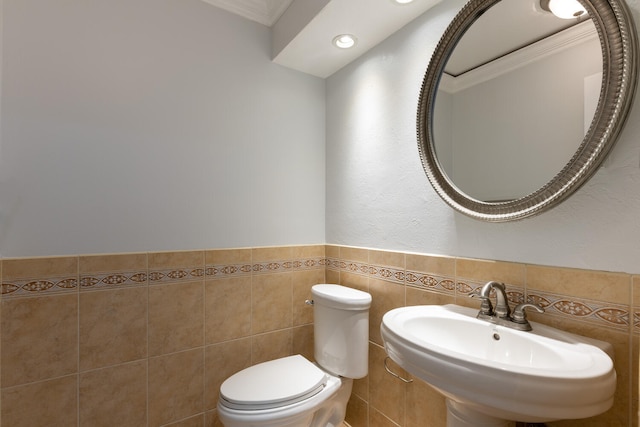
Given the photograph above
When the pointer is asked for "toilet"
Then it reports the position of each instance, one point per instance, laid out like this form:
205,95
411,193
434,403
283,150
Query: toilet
294,392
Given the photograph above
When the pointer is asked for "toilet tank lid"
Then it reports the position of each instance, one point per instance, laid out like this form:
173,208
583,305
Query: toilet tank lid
342,297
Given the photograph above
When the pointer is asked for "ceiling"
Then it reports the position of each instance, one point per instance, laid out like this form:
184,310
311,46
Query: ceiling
265,12
303,30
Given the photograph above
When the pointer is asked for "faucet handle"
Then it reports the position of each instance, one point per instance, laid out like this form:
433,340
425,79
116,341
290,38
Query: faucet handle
520,316
486,309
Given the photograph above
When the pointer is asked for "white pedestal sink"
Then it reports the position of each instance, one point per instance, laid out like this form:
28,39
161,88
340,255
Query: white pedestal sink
493,375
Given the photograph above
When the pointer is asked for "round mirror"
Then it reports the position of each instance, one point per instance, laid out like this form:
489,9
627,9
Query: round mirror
518,107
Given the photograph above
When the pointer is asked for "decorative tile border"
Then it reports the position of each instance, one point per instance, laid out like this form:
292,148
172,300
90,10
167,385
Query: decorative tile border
335,264
173,275
50,285
119,279
233,270
431,282
609,314
604,314
389,274
215,271
111,280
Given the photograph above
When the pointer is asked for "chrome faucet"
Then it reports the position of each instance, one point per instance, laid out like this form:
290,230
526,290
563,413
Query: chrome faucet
501,315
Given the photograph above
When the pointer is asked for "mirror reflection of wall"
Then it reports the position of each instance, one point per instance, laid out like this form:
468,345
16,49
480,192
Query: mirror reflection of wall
503,135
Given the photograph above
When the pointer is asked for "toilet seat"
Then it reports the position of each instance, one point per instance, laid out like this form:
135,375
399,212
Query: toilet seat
273,384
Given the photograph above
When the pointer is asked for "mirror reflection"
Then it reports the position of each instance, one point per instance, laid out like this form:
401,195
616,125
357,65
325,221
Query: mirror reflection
517,97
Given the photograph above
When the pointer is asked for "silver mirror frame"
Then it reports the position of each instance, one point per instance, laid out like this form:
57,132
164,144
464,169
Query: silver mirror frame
618,40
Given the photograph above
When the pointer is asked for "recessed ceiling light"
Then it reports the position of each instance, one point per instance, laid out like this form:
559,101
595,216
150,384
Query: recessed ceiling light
344,41
403,1
564,9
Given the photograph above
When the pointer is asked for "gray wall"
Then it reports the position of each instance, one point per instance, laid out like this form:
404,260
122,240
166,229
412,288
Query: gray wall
153,125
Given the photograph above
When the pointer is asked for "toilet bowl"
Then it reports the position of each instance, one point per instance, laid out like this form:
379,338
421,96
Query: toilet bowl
295,392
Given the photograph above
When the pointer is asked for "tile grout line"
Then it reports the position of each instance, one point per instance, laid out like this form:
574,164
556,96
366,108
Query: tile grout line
78,342
147,329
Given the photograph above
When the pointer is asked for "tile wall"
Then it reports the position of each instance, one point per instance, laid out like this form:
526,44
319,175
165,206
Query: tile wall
597,304
145,339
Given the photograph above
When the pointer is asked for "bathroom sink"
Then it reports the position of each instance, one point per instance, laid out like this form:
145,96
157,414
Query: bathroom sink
488,370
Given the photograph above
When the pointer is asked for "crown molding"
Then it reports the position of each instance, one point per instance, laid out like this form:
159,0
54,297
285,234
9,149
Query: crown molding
555,43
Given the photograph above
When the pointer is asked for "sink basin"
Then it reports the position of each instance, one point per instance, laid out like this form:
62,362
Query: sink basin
498,373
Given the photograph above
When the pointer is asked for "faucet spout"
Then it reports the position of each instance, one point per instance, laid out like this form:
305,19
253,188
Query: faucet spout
501,309
501,315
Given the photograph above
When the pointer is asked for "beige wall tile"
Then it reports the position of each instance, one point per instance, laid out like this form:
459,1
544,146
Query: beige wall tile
310,251
483,270
271,305
302,341
426,407
354,254
357,412
423,297
212,419
332,276
228,309
353,280
387,259
176,386
386,393
273,337
332,251
278,253
176,317
361,388
222,361
197,421
636,291
384,297
433,264
377,419
272,345
57,404
113,327
126,388
179,259
227,256
303,281
594,285
635,309
115,262
39,338
37,268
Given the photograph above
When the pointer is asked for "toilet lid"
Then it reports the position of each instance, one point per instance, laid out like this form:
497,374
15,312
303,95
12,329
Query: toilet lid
272,384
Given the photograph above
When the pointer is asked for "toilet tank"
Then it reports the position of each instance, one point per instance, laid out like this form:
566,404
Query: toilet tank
341,329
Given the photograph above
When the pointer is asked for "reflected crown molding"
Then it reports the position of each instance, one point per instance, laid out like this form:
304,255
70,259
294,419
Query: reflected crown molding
579,33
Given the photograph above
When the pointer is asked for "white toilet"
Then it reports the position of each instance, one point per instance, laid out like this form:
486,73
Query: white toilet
294,392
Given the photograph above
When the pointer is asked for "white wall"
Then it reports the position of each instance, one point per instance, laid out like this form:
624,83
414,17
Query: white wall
153,125
379,197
